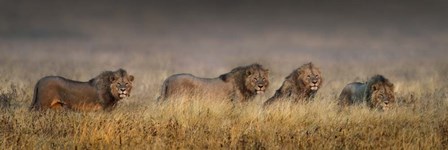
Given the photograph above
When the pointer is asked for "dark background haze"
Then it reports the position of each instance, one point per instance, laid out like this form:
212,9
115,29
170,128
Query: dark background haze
59,18
216,32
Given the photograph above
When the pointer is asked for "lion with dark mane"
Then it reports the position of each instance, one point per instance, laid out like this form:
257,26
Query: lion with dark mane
300,86
378,92
100,93
239,85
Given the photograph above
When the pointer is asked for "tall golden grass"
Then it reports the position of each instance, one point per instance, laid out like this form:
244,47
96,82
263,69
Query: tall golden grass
420,121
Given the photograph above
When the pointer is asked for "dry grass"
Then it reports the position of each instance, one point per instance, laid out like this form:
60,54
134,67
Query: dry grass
421,121
213,125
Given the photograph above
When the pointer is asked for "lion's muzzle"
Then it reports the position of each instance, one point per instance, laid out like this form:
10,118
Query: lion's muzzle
260,89
386,105
314,87
123,94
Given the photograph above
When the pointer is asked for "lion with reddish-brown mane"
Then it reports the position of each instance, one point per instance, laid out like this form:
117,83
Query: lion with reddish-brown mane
100,93
300,86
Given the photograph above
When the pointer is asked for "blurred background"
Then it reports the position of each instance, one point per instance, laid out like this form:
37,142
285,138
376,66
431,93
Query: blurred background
404,40
349,40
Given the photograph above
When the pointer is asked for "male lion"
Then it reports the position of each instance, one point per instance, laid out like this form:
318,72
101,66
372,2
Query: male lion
301,85
239,85
378,92
101,92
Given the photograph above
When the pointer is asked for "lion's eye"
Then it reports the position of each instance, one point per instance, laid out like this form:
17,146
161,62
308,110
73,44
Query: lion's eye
308,76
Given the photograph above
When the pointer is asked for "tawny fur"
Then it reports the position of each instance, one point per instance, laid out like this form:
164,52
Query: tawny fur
239,85
299,86
100,93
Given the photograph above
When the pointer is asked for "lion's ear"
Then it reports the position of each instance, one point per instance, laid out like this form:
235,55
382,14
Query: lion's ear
131,78
112,78
249,72
391,85
299,72
375,87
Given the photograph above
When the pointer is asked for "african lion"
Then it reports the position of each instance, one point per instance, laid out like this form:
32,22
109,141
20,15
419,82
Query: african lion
100,93
300,86
378,92
239,85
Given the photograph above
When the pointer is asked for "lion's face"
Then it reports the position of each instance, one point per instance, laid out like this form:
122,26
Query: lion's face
121,86
382,96
257,80
311,78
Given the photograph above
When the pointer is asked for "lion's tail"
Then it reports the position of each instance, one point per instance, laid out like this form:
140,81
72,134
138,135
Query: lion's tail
34,102
163,92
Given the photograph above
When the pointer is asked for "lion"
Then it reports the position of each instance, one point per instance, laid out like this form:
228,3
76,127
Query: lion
100,93
378,92
241,84
299,86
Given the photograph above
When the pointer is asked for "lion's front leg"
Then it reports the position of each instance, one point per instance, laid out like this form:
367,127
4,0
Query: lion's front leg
107,102
234,97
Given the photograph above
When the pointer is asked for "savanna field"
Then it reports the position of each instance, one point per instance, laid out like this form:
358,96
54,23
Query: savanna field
152,48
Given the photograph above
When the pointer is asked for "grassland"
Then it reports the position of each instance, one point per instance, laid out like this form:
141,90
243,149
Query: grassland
420,121
78,40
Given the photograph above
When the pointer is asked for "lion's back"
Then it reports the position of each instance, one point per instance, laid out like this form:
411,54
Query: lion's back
184,81
55,89
189,85
352,93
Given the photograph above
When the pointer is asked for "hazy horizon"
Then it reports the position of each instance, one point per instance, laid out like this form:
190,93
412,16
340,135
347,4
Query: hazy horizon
225,33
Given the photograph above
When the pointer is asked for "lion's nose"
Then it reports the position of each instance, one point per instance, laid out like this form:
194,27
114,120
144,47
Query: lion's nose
314,81
123,89
386,102
260,86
